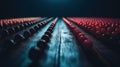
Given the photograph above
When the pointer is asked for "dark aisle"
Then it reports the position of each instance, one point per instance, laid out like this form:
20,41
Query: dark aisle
63,51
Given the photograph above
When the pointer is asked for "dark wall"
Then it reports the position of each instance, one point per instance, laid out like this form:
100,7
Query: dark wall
81,8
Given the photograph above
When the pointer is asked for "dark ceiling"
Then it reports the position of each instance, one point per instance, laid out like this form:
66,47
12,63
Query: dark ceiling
71,8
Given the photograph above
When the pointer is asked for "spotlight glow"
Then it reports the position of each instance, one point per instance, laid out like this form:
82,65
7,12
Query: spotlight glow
58,1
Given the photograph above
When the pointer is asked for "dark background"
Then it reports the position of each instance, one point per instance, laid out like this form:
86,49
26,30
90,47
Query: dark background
66,8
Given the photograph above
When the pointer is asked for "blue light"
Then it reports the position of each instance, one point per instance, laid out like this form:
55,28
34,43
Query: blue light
56,5
58,1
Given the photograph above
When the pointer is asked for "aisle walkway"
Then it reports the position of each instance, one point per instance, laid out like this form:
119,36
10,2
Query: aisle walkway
63,51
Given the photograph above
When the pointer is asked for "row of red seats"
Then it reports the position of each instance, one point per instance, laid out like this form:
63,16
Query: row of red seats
18,38
80,36
86,45
12,30
6,23
36,53
104,29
